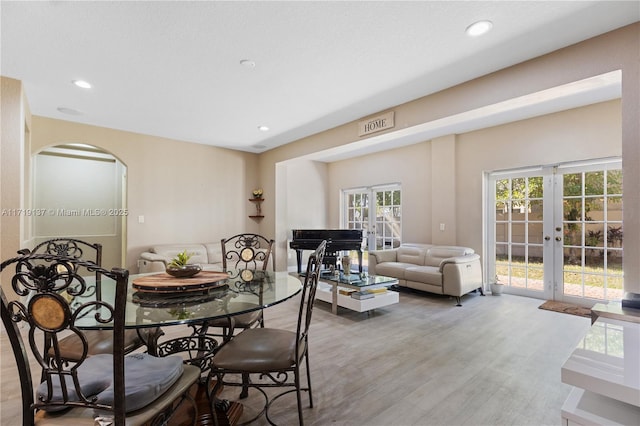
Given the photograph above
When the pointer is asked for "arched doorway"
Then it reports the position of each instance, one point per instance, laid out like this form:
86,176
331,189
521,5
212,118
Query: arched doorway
79,191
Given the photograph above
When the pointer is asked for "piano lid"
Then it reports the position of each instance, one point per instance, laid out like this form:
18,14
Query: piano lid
327,234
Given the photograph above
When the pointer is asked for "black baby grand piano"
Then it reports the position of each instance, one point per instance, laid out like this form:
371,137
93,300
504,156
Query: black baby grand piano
337,240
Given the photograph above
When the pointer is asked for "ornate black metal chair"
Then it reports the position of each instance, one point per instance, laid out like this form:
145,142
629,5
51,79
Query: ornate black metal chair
136,388
274,355
242,255
99,341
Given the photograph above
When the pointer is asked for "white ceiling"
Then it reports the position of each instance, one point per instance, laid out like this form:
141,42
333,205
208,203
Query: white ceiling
172,68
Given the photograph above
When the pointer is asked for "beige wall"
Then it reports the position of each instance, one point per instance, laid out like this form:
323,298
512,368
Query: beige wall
406,166
15,124
186,192
617,50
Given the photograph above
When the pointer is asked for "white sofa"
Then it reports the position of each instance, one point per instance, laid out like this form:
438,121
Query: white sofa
208,255
450,270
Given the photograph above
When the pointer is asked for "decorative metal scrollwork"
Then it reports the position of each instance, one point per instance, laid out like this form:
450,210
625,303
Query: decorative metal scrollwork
199,350
246,250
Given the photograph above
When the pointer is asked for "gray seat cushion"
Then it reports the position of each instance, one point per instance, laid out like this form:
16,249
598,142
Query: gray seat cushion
146,378
258,349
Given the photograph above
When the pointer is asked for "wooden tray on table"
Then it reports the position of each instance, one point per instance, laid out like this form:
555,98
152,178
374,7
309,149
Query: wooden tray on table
165,283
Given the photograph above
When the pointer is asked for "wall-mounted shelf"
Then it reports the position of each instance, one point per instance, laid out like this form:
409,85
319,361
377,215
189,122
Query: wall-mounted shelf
257,202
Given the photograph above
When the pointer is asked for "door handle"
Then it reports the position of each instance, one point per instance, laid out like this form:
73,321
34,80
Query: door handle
558,238
547,238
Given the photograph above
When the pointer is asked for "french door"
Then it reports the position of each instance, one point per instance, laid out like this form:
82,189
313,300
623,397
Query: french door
556,232
378,212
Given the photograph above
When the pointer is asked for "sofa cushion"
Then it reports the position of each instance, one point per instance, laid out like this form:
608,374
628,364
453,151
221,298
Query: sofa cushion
214,252
392,269
198,251
412,254
424,274
436,254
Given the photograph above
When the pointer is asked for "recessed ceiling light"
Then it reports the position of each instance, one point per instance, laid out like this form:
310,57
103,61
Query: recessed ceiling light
82,83
69,111
478,28
263,128
248,63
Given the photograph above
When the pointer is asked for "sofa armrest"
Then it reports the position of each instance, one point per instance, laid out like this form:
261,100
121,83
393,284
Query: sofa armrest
154,257
467,258
379,256
462,275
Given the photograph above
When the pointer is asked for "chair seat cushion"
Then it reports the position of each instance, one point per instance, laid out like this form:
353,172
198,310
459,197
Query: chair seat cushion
258,349
146,378
98,342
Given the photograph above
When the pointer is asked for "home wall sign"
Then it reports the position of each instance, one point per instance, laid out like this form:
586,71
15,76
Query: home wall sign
376,124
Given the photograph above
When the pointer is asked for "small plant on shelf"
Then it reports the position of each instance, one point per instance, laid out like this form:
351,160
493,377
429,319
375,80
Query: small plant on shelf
257,193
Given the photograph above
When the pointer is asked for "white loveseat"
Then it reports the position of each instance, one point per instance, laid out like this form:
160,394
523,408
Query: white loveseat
450,270
208,255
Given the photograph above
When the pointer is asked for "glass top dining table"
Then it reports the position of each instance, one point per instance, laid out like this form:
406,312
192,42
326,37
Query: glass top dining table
237,294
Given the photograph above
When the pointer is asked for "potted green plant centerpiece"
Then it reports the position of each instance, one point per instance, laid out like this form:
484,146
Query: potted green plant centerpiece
180,267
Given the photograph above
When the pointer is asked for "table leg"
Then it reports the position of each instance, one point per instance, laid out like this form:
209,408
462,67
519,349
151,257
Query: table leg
228,413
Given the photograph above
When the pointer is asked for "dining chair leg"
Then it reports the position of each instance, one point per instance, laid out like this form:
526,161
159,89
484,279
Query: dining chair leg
309,379
298,394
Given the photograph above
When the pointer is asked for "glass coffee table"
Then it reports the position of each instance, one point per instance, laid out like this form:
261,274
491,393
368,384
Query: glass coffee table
337,288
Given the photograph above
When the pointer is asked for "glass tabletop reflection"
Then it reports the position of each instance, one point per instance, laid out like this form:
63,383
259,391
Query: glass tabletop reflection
243,291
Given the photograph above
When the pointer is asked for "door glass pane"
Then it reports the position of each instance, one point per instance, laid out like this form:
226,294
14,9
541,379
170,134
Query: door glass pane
592,235
614,182
593,183
388,219
572,184
614,209
572,209
502,232
502,210
518,224
535,210
517,233
518,276
535,234
381,229
572,234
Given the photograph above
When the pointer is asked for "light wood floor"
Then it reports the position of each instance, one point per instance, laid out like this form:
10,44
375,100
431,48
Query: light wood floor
493,361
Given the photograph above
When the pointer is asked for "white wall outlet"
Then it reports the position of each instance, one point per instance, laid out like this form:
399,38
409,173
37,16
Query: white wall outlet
141,219
442,226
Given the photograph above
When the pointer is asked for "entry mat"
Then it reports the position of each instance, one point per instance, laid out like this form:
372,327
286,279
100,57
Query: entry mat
566,308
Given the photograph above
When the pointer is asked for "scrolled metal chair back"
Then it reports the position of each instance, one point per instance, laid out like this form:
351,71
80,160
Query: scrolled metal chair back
314,266
75,249
246,252
51,282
